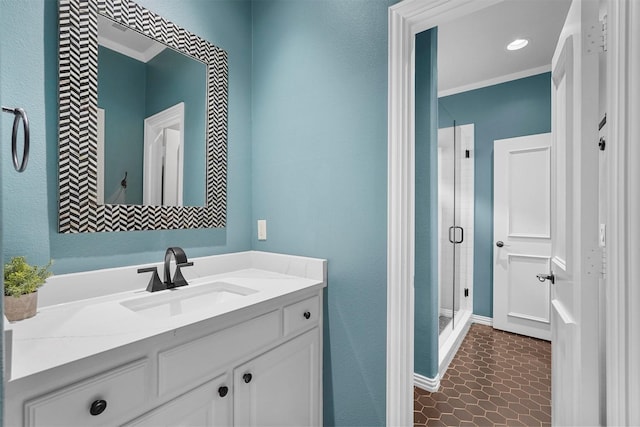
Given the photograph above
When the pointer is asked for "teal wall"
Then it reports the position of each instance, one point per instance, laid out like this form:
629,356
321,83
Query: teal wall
516,108
29,70
426,205
183,79
320,176
121,93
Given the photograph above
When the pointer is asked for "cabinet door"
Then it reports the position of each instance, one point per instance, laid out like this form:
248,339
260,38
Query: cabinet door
207,405
281,387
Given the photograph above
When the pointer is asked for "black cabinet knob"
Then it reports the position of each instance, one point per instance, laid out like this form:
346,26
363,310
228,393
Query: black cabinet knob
307,315
98,407
222,391
499,243
247,378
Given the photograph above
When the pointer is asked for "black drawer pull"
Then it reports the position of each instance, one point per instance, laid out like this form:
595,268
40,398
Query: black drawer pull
247,378
222,391
98,407
307,315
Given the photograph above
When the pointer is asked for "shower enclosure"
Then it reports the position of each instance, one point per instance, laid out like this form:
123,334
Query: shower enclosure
455,233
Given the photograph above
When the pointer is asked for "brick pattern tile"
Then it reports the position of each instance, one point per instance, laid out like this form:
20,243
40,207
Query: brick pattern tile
496,378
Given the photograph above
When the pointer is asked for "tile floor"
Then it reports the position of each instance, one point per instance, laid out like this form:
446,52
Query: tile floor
496,378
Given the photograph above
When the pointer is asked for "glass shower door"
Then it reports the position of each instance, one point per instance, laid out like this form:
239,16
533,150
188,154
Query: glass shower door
451,231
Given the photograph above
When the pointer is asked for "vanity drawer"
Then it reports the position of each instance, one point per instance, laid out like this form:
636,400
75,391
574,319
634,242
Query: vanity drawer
124,390
301,315
194,362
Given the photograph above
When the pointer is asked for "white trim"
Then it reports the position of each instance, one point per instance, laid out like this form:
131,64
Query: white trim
154,125
495,81
482,320
406,19
433,384
100,162
449,348
426,383
623,211
400,225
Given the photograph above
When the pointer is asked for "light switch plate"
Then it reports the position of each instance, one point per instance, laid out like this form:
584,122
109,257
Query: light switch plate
262,229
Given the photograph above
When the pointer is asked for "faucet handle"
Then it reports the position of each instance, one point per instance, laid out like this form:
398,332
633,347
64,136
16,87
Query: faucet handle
178,278
185,264
155,284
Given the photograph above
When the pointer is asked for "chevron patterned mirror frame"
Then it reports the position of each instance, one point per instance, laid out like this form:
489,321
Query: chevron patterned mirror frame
78,210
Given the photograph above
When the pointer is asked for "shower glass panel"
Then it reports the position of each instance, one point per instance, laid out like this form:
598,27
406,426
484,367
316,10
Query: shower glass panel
455,221
446,222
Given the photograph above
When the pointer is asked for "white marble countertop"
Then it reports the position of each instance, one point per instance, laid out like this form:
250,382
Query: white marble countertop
71,331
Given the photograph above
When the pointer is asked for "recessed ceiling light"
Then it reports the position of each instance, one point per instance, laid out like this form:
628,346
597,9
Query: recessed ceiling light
517,44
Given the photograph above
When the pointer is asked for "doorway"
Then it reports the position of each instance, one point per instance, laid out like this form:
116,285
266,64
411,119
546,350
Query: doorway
406,20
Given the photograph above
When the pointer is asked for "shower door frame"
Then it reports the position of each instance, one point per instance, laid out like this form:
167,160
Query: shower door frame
463,217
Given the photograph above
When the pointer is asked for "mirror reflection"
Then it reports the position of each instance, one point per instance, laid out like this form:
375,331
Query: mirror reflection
151,121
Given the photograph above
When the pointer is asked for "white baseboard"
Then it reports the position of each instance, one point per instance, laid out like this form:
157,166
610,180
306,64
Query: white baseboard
426,383
482,320
433,384
452,344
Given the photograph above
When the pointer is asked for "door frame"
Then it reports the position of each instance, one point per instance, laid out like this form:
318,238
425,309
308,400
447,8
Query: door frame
623,211
405,20
153,126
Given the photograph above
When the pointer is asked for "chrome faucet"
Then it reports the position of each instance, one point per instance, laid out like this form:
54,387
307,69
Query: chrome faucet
181,261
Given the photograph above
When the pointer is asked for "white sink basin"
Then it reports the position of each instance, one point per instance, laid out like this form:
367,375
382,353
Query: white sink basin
186,299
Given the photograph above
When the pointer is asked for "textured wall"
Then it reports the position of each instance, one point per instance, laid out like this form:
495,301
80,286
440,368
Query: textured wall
516,108
320,176
29,68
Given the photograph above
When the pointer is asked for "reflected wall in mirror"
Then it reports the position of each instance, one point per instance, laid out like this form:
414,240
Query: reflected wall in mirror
140,79
143,119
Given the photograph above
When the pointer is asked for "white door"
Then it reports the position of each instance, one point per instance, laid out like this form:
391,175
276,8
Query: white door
522,234
281,387
575,259
163,157
172,179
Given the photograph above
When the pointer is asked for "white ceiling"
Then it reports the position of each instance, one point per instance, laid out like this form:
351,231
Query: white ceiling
127,41
472,50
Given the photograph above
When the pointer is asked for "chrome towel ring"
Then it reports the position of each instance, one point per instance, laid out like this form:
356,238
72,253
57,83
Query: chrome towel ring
19,114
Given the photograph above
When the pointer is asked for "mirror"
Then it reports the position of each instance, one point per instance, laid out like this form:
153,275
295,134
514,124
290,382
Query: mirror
151,121
143,121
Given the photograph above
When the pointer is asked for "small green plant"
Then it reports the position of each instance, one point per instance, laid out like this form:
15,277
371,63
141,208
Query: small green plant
20,278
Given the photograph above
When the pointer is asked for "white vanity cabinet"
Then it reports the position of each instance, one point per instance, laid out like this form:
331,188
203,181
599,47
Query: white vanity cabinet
207,405
104,399
261,368
280,387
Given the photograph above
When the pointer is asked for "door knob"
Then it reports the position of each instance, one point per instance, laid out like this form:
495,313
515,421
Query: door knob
499,243
549,277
